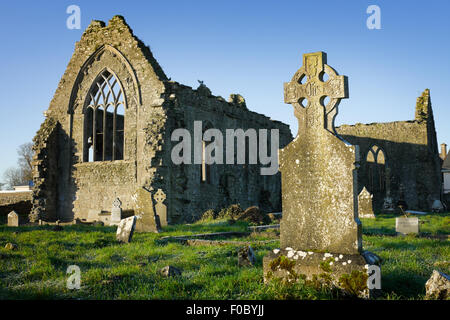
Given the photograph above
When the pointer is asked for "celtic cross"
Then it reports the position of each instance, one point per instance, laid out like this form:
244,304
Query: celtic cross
307,85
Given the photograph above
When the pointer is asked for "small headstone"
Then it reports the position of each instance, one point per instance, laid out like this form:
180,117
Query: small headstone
160,207
116,212
146,219
437,206
246,257
365,204
405,225
13,219
125,229
170,271
438,286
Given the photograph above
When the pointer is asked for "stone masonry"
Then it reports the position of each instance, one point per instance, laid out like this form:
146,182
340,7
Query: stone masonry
67,186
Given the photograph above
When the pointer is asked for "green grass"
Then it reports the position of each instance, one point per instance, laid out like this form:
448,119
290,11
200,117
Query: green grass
37,270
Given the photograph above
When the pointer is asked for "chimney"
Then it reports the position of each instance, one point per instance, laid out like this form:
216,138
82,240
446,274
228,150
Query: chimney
443,151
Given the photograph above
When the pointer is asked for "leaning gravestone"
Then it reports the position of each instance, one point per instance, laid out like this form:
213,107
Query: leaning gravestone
160,207
116,212
404,225
13,219
125,229
147,221
320,222
365,205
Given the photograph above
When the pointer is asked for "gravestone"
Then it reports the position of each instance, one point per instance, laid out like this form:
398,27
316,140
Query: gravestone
319,183
365,205
160,207
116,212
146,221
125,229
13,219
404,225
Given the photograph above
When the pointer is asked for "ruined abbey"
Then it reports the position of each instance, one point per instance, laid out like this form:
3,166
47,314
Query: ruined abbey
107,135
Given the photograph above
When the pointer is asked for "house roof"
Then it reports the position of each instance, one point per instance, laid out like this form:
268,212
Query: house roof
446,164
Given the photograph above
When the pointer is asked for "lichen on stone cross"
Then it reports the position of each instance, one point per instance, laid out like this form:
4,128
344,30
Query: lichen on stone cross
307,85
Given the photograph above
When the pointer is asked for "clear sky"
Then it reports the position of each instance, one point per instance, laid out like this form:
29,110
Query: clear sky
247,47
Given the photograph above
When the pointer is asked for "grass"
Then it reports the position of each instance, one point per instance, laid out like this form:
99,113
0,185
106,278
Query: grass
37,269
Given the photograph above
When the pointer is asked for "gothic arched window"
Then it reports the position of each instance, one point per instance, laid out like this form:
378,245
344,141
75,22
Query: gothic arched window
376,167
104,120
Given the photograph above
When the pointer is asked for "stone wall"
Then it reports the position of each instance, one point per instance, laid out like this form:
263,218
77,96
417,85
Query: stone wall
20,202
242,184
411,154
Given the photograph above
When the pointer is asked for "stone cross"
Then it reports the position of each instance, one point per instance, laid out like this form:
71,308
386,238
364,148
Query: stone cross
13,219
160,207
307,85
116,212
318,168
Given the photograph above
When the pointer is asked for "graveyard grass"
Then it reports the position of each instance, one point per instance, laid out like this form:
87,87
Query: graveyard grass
37,269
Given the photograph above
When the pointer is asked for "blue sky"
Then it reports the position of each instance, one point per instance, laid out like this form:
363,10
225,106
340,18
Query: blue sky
246,47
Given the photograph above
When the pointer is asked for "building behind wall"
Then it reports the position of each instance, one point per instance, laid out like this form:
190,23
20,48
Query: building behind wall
399,160
107,133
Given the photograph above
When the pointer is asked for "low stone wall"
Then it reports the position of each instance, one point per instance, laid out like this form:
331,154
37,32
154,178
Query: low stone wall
19,202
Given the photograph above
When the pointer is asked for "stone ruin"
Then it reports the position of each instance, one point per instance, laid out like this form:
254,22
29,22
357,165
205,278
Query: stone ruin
107,135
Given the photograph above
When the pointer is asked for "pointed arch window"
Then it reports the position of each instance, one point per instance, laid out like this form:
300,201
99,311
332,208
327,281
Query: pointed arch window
376,169
104,127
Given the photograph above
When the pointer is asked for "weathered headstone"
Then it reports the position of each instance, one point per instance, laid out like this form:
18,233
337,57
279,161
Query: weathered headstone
13,219
147,221
365,205
319,182
125,229
160,207
404,225
116,212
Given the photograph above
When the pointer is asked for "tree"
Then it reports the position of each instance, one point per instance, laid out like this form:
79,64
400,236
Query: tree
22,174
13,177
25,161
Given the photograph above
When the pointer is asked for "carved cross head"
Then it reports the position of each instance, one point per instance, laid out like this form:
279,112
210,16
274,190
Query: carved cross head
309,89
159,196
117,203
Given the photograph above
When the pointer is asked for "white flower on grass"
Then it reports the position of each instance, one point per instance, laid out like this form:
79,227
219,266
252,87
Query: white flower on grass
344,263
349,261
331,263
289,249
366,266
276,251
290,254
336,259
310,252
341,256
328,255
